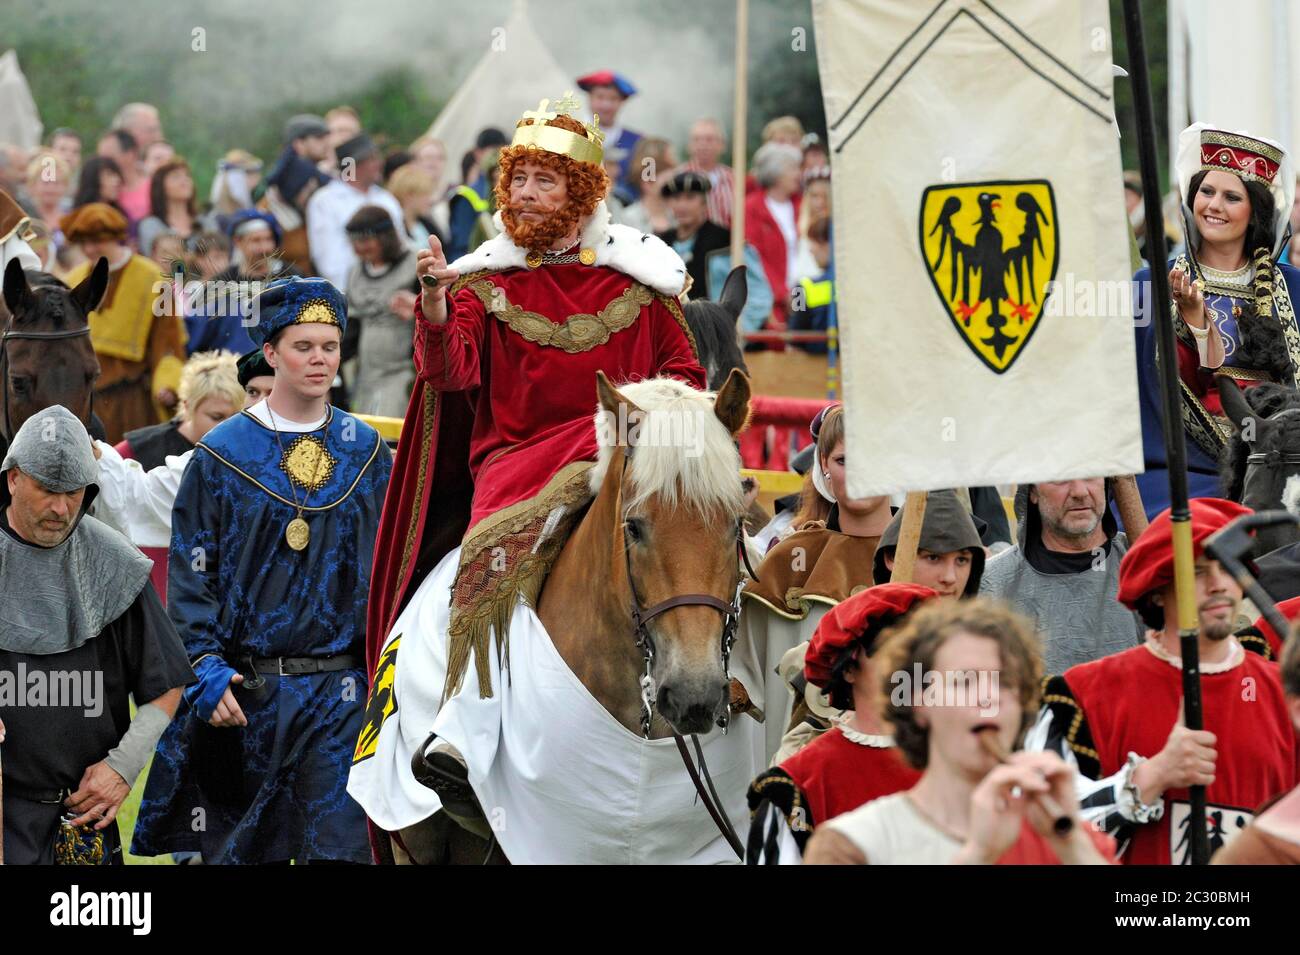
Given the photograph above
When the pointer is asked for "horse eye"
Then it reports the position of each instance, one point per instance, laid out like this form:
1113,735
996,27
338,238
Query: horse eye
21,386
634,530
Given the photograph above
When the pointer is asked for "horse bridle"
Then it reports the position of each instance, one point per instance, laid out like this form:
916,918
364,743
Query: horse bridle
641,618
10,335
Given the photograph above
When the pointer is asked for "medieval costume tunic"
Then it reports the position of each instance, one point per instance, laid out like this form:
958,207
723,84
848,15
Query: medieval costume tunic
892,830
244,600
501,416
1230,300
1111,714
140,352
800,579
1126,704
81,632
1070,597
845,767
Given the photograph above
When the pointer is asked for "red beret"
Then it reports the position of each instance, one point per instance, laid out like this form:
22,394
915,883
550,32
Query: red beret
1149,563
859,619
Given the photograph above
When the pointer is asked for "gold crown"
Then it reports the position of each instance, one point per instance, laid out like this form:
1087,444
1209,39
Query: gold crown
554,139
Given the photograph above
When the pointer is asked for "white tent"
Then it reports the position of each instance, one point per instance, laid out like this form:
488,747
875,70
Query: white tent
20,123
1236,65
513,75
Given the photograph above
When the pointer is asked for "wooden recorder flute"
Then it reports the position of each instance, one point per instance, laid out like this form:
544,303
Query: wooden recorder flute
1062,824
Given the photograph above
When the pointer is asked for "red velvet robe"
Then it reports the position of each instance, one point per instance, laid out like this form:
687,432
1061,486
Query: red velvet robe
494,415
1130,701
836,774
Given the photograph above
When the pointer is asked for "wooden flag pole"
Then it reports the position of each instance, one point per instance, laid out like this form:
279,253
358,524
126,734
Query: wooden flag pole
1129,502
909,535
739,135
1175,441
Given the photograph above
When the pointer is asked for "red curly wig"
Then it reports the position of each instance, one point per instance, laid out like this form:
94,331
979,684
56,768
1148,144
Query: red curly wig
587,185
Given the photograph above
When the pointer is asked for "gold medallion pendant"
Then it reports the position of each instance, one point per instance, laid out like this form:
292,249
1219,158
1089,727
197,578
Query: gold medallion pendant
533,259
297,533
587,256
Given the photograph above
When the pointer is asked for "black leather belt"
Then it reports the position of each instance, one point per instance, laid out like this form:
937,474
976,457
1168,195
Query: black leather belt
297,666
49,797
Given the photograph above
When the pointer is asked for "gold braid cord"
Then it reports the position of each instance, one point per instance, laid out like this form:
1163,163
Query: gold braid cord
504,558
577,333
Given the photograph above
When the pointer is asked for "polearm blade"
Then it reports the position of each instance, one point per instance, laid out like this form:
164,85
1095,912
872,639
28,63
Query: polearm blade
1175,446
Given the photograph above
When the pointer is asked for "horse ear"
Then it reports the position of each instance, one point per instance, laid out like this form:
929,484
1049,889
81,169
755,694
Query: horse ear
732,404
17,293
91,289
735,291
1235,405
611,398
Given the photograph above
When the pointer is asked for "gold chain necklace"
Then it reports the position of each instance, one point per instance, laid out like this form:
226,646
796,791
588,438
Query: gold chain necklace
297,533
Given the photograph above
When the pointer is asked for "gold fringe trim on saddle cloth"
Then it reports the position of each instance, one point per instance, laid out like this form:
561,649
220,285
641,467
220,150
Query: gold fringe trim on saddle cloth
505,557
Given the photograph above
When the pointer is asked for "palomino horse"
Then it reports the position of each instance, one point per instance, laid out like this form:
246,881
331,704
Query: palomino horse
640,607
45,353
665,523
1261,467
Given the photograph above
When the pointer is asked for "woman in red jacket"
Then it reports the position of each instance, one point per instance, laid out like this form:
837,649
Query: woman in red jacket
771,219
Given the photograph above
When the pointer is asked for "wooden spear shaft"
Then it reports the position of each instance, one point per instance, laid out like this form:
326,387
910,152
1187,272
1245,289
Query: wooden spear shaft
909,536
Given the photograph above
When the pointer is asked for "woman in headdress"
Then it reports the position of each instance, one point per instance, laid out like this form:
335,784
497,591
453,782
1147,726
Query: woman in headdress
1233,302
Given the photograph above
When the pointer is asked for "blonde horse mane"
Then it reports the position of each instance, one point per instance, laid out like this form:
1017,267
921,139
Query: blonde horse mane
682,452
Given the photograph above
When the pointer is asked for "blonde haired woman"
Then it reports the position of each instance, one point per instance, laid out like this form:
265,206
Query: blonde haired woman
209,392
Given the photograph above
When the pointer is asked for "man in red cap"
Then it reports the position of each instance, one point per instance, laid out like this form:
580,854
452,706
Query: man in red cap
607,91
856,761
1121,716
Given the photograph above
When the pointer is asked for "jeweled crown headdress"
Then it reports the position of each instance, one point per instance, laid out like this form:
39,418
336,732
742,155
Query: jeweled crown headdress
589,148
1244,156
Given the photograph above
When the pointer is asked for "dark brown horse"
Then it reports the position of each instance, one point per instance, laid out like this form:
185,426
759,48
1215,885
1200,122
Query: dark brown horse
1261,466
45,353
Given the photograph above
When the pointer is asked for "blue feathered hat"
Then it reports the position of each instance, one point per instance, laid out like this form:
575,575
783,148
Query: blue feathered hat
296,301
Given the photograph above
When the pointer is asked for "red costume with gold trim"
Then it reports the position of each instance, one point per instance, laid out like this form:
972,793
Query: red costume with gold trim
506,391
1129,701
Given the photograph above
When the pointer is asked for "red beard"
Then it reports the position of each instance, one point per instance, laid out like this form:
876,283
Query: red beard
540,236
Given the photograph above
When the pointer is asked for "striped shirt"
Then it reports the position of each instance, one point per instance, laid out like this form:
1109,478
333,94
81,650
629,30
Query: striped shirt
721,182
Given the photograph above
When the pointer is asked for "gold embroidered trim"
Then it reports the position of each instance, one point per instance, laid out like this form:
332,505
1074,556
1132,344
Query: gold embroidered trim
307,462
1075,723
284,500
496,593
408,547
577,333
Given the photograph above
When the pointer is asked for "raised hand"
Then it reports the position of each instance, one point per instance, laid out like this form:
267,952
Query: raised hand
1188,297
431,269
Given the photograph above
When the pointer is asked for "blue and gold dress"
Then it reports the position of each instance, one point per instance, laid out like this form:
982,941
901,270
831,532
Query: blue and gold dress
1227,296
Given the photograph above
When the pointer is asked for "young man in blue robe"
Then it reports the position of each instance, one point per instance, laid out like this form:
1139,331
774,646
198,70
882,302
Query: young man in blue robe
272,538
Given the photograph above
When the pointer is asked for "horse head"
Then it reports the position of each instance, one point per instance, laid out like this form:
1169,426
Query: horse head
1261,466
669,468
45,354
713,324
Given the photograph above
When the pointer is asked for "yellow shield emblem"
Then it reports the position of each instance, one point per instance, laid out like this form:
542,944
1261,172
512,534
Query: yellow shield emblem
381,703
991,249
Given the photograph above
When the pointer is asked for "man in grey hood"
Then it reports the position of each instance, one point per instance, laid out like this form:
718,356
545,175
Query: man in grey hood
1065,572
81,631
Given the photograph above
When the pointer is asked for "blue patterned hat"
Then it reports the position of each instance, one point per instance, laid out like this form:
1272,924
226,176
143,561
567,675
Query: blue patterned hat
297,301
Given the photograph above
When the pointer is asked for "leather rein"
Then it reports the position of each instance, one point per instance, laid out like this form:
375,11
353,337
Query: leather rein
641,618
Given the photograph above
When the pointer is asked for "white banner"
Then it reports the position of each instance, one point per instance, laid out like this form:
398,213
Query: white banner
982,258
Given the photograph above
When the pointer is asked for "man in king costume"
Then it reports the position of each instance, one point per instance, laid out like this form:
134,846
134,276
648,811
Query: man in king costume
272,536
495,451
